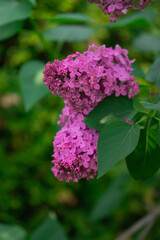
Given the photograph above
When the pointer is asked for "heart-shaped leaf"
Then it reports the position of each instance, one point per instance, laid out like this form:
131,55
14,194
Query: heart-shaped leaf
9,232
109,109
111,198
68,33
50,229
142,96
71,18
9,30
153,74
33,2
147,43
31,83
12,10
137,71
150,105
144,162
158,136
116,141
137,19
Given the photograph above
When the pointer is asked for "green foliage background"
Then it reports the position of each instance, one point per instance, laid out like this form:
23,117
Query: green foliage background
28,189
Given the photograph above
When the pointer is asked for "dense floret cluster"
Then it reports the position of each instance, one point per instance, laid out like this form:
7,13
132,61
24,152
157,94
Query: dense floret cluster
84,80
116,8
75,150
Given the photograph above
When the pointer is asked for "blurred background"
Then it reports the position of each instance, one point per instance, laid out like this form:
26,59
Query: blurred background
31,34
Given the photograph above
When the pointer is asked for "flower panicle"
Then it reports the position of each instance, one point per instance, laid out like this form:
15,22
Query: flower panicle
83,80
115,8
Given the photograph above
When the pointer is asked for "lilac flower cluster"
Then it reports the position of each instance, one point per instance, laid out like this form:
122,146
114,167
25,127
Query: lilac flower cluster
84,80
75,149
116,8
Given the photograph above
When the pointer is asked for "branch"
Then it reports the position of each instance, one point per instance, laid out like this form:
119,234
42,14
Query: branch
145,231
141,223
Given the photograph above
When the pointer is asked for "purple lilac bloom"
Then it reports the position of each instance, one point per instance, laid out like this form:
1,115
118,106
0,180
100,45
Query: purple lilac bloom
84,80
75,150
116,8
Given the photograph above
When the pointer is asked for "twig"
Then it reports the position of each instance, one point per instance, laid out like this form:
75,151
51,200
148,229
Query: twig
145,231
141,223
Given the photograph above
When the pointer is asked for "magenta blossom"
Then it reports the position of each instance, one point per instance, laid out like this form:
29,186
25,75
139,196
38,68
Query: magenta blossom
75,150
116,8
85,79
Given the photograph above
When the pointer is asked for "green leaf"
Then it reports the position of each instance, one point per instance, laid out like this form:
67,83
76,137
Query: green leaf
144,162
138,19
71,18
111,198
158,98
33,2
137,71
144,91
50,229
158,136
116,141
150,105
142,96
31,83
9,232
68,33
12,10
158,115
147,43
9,30
153,74
109,109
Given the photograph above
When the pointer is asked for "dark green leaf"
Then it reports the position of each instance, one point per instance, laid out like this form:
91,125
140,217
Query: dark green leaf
144,162
153,74
158,136
158,98
33,2
144,91
111,199
9,232
71,18
116,141
50,229
142,96
150,105
9,30
137,71
109,109
12,10
147,43
32,86
138,19
158,115
68,33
